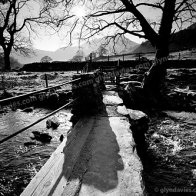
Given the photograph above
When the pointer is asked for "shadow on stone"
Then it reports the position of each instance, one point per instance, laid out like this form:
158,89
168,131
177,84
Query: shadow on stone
98,163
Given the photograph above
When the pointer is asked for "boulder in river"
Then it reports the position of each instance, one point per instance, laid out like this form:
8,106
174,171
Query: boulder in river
52,123
138,118
61,138
27,144
139,126
43,137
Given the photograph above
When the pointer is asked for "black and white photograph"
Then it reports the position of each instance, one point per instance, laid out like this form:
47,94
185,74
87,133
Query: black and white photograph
97,97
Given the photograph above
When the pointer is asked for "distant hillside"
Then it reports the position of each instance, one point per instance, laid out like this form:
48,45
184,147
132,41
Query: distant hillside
121,46
61,54
181,40
66,53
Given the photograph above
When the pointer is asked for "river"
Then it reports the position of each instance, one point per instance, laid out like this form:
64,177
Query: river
170,160
20,162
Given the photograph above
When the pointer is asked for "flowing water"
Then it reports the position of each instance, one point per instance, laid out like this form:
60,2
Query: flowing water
22,157
170,162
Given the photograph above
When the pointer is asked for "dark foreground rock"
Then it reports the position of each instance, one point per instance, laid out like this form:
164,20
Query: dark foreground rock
43,137
5,95
139,126
27,144
52,123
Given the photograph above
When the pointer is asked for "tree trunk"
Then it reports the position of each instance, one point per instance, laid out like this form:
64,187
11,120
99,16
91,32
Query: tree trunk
154,78
7,66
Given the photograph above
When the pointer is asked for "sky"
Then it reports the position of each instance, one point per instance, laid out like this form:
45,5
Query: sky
46,40
53,42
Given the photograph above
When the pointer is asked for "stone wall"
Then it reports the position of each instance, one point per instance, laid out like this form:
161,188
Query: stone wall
88,93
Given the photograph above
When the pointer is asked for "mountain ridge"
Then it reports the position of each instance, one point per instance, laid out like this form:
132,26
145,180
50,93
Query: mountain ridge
181,40
66,53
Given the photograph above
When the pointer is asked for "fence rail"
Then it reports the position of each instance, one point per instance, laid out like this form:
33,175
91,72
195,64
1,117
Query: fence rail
36,122
3,101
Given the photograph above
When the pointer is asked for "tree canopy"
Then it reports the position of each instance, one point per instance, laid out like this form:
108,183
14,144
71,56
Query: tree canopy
150,20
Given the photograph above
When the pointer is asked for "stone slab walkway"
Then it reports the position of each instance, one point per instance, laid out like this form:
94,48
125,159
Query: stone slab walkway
98,158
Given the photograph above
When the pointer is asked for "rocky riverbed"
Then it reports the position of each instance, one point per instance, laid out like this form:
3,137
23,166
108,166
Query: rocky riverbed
169,160
22,156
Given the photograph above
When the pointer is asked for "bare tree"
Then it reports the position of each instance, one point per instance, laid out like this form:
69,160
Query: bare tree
131,17
17,19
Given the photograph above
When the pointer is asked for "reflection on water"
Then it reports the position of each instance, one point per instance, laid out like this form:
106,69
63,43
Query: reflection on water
19,163
171,156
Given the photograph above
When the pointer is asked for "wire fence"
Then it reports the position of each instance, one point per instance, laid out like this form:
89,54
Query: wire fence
36,122
11,99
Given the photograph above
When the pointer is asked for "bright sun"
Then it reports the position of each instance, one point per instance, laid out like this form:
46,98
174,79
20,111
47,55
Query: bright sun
79,11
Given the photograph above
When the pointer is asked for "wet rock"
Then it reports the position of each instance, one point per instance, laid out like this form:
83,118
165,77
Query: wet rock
43,137
27,144
112,100
139,126
52,123
29,109
138,119
137,115
122,110
61,138
6,94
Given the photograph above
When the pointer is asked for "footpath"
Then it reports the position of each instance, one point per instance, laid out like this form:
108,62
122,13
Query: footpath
97,158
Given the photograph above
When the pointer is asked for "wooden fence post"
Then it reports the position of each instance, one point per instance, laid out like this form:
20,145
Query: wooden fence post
46,79
118,76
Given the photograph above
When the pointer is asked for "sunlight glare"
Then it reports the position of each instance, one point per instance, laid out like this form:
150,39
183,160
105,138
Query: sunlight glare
79,11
